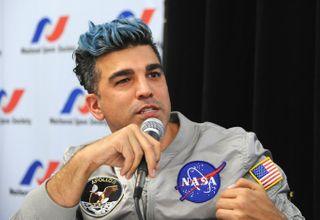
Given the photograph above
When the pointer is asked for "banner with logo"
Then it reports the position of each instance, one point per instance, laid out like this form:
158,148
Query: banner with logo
42,109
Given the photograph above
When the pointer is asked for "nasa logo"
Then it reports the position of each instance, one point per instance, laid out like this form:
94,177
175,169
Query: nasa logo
101,195
199,181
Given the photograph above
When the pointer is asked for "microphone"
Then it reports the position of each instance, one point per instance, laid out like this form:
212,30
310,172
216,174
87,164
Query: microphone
154,128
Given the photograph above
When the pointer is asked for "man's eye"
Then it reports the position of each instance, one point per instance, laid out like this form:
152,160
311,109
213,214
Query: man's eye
122,81
154,75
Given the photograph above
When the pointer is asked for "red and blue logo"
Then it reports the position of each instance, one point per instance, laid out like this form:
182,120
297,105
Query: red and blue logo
69,105
34,167
57,30
145,16
199,181
13,100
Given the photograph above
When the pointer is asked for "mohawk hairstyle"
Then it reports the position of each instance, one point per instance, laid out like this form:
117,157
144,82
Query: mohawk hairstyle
105,38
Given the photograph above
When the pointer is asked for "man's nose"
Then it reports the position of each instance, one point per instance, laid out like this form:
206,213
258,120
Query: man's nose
144,89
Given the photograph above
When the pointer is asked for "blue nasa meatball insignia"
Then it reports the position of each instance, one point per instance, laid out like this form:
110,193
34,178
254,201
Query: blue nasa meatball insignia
199,181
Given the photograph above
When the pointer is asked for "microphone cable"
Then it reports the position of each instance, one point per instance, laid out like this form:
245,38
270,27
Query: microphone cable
142,172
137,205
154,128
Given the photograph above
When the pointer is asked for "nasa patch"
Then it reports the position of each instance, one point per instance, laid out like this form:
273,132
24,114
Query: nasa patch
199,181
101,195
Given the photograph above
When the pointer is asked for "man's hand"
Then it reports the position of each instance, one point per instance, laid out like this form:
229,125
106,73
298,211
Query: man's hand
123,148
246,200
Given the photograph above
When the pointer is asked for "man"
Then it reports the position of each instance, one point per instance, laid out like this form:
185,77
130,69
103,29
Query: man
196,171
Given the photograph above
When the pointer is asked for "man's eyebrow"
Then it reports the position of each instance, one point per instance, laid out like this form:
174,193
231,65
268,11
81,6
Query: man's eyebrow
125,72
154,66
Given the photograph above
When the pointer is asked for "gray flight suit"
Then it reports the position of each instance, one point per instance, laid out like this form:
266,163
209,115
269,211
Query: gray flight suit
161,198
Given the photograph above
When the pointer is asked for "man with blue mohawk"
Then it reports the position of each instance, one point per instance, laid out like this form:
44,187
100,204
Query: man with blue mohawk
195,170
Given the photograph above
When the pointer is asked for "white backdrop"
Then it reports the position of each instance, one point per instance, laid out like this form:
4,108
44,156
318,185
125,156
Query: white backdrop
42,108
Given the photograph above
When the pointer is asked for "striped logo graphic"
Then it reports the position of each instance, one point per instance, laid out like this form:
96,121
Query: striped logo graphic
58,29
266,173
13,100
69,105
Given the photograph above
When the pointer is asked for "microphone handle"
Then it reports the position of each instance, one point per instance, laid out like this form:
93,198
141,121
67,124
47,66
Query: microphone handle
142,172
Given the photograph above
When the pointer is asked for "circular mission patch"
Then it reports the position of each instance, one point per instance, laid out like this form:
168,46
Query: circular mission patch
199,181
101,195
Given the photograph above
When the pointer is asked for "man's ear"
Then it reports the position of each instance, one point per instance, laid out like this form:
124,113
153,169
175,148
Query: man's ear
92,101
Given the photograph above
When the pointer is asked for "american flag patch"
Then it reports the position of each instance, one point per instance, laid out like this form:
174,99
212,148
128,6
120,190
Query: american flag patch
266,173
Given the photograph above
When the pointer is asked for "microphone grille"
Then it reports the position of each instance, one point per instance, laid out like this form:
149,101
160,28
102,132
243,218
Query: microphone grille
153,125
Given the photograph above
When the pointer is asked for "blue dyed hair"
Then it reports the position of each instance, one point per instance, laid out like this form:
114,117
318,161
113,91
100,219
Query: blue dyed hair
106,38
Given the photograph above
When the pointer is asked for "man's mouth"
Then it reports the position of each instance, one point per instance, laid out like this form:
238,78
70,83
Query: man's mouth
148,109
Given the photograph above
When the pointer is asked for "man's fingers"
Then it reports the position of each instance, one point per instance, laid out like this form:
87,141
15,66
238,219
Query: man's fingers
245,200
244,183
229,193
132,144
150,154
240,186
225,203
156,146
149,148
235,192
225,214
128,155
156,152
138,154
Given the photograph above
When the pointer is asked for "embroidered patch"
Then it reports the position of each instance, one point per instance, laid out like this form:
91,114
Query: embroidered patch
266,173
199,181
101,195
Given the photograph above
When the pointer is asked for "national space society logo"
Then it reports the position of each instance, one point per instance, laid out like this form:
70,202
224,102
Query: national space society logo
199,181
101,195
